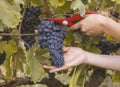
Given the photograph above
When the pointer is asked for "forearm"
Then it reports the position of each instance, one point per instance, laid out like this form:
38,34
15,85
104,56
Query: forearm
103,61
112,28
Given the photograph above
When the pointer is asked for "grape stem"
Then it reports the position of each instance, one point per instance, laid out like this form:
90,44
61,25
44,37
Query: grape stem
17,41
49,14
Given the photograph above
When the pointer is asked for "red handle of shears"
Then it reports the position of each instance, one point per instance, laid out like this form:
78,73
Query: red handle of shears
69,21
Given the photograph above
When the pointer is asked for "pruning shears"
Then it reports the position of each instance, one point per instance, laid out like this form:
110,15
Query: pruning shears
70,21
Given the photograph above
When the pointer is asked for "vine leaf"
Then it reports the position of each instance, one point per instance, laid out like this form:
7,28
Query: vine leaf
9,15
69,39
94,49
65,80
36,69
7,66
78,36
37,72
21,59
78,4
117,1
56,3
63,9
11,48
77,72
37,2
1,26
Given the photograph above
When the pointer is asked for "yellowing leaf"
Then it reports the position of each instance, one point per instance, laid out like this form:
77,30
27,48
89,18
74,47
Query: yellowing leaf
77,72
117,1
78,4
56,3
8,14
37,71
3,46
11,48
1,26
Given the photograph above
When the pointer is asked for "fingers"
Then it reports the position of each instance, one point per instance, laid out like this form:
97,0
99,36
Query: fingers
48,67
53,69
76,26
58,69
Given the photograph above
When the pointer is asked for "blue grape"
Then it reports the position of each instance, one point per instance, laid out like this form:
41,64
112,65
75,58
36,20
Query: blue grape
30,22
108,46
2,57
51,36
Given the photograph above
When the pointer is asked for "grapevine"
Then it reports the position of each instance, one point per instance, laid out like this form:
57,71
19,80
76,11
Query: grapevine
108,46
30,22
51,36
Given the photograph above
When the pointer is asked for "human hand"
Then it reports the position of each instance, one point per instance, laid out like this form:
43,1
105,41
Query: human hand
91,25
73,56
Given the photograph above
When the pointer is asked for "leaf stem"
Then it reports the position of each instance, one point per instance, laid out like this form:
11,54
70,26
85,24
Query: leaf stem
49,14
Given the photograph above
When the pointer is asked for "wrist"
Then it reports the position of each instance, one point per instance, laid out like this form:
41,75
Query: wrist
107,24
104,23
87,54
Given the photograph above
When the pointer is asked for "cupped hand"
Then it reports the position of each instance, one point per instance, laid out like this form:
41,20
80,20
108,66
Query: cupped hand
73,56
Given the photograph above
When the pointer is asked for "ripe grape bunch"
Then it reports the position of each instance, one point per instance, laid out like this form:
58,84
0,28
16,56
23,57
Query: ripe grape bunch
7,39
108,46
51,36
2,57
30,22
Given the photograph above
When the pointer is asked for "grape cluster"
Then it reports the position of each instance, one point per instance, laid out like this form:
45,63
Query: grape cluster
30,22
51,36
115,14
108,46
2,57
4,38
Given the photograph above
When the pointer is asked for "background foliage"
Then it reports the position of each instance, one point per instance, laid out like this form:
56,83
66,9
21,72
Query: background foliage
28,63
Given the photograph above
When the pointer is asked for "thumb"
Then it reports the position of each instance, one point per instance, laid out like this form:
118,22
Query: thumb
76,26
65,49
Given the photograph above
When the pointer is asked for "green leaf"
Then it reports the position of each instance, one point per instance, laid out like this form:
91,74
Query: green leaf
1,26
117,1
39,55
63,9
9,15
8,67
56,3
63,78
78,36
78,5
86,42
116,76
20,65
3,45
77,72
69,39
21,55
21,59
94,49
11,48
37,2
37,71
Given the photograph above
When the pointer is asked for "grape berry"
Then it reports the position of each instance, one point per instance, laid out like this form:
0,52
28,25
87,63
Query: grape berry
51,36
108,46
2,57
30,22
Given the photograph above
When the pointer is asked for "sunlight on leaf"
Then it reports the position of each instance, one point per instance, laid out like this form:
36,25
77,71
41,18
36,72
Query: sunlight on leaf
9,16
56,3
78,5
